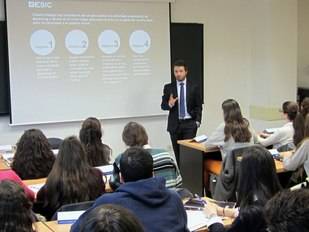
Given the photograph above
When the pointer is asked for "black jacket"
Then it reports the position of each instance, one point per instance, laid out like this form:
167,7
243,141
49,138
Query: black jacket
194,103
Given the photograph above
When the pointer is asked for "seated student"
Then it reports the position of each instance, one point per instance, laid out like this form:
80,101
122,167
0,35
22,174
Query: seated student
15,208
282,138
257,184
33,158
288,211
71,180
301,156
234,132
98,154
134,135
11,175
111,218
158,208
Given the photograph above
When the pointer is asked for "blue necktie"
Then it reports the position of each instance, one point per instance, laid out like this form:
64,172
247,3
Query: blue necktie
182,112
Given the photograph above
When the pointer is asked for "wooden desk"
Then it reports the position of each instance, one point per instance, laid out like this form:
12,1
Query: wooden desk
193,164
41,227
191,158
43,181
3,165
51,226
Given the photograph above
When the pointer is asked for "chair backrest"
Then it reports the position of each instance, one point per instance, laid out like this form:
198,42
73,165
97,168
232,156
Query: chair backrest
164,166
54,142
228,180
73,207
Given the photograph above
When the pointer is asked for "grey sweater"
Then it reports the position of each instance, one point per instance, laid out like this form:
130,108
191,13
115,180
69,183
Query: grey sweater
299,158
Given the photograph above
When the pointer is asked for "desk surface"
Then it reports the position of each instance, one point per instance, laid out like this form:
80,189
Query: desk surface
43,180
41,227
197,146
51,226
215,166
3,165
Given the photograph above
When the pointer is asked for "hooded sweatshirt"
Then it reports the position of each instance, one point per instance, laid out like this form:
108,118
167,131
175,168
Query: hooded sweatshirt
157,208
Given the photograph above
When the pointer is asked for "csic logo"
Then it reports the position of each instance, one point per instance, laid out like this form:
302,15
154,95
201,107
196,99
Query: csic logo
39,4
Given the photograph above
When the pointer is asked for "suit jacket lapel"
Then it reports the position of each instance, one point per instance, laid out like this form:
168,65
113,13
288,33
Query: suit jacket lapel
188,92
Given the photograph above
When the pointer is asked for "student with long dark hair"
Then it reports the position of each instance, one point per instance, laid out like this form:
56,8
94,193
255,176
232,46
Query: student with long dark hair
111,218
283,138
33,158
71,180
90,135
15,208
234,132
301,156
257,184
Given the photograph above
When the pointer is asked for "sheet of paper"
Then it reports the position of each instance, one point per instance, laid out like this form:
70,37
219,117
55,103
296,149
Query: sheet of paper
106,169
35,187
68,217
271,130
196,219
6,148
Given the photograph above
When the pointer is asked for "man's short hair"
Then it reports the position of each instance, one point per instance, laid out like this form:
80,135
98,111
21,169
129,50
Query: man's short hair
134,134
136,164
180,63
288,211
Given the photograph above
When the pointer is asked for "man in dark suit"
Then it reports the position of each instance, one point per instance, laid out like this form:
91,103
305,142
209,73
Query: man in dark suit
183,100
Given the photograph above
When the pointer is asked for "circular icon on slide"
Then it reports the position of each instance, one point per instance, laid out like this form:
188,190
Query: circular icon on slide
109,41
140,41
77,42
42,42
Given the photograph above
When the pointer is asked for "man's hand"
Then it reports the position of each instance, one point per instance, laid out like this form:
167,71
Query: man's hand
172,101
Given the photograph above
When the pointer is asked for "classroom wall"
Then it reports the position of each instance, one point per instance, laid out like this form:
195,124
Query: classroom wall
250,53
240,58
303,43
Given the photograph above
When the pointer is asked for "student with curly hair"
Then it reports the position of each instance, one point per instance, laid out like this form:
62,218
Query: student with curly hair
33,158
90,135
288,211
15,208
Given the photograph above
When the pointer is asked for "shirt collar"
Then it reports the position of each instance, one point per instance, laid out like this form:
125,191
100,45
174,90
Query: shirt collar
146,146
184,81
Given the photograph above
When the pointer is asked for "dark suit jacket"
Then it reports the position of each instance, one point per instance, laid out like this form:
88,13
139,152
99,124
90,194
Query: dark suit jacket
194,103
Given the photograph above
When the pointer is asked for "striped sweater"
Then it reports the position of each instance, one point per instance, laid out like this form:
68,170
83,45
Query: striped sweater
164,166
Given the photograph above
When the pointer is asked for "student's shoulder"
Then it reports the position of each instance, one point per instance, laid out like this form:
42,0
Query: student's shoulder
9,174
157,151
304,145
106,198
174,196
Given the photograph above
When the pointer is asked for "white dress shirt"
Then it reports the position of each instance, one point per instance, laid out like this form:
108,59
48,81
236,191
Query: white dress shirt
282,136
299,158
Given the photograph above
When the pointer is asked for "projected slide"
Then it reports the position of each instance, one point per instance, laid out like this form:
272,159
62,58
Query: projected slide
70,59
